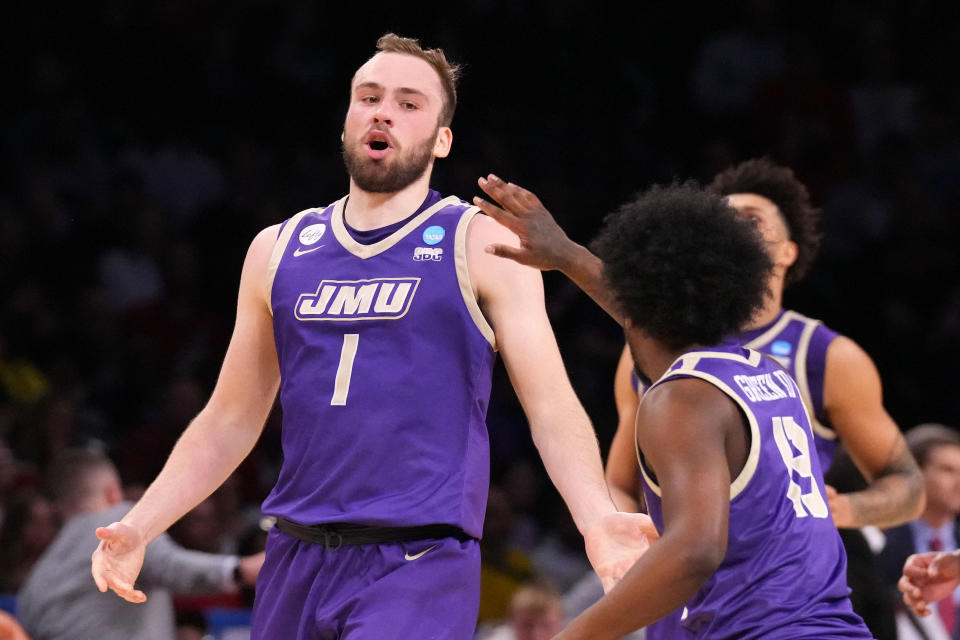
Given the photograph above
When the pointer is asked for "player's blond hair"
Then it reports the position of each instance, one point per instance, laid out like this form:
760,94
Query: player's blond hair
448,72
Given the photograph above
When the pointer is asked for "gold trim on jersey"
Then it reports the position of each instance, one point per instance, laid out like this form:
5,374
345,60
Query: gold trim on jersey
365,251
800,363
279,248
463,277
689,361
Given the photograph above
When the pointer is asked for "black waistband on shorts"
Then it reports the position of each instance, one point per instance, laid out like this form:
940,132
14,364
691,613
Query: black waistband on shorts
337,534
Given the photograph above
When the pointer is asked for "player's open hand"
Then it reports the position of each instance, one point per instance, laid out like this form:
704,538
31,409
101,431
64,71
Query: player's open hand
117,561
928,577
543,244
615,542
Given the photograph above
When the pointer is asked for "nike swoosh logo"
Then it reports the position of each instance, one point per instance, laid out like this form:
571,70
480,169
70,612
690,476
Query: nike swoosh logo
407,556
299,252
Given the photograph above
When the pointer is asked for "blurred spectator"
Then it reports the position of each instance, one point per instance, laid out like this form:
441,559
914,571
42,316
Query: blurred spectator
29,526
536,613
59,599
937,450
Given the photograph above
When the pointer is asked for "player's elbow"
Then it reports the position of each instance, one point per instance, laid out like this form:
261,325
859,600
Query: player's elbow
703,558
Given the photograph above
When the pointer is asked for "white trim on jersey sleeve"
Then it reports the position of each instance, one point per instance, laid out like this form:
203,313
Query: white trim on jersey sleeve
279,247
463,277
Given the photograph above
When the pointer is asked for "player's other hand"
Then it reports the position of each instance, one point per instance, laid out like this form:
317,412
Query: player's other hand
543,244
928,577
615,542
117,560
840,508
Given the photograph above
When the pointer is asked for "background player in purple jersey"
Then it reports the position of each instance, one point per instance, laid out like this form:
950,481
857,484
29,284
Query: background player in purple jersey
398,122
839,381
746,540
843,386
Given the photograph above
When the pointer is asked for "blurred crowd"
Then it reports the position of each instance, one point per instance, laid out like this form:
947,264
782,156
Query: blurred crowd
143,145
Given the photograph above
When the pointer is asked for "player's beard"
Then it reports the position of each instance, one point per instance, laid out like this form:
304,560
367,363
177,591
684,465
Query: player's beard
376,176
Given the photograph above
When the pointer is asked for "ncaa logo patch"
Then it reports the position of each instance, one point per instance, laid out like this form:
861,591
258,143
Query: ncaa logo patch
312,233
781,348
434,234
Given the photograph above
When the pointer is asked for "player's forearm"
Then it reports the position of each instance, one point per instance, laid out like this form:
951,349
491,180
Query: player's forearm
586,271
203,458
664,578
890,500
624,500
568,447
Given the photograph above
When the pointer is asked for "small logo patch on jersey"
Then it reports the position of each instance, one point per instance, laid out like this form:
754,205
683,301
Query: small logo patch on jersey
410,558
344,300
434,234
427,253
781,348
312,233
299,252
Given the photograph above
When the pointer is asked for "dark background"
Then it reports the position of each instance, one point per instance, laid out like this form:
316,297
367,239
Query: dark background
142,146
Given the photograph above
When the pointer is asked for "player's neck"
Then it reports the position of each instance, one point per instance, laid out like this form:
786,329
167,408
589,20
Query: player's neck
773,305
652,356
366,210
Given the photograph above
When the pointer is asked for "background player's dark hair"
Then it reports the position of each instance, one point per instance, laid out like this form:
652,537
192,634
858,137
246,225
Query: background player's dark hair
683,265
778,184
924,438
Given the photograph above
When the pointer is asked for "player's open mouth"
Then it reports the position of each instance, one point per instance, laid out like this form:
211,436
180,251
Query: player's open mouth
378,145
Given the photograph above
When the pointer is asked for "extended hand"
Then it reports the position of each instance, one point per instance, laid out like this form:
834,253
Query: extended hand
543,244
117,561
615,543
928,577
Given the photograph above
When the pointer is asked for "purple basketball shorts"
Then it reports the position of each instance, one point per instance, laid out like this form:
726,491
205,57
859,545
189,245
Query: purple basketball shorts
421,590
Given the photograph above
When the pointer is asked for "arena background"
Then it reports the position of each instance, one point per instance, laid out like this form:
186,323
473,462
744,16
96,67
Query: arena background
144,144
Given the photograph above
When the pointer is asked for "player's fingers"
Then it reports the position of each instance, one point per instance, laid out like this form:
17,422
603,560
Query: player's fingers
507,194
96,569
940,562
908,588
505,218
123,588
506,251
608,583
105,533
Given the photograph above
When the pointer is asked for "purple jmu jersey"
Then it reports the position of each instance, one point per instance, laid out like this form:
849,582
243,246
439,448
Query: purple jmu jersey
784,572
385,363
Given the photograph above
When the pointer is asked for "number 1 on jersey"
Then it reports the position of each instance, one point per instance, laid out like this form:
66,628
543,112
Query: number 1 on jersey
787,432
345,369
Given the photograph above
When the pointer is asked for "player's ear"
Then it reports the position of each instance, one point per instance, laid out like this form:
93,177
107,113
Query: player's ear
441,146
789,254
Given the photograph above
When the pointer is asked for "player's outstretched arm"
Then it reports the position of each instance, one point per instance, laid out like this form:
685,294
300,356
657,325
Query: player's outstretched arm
929,577
853,400
511,298
543,244
684,431
622,469
216,441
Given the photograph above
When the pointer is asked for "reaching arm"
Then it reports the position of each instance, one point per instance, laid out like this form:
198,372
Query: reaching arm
685,424
622,468
511,297
854,405
543,244
216,441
